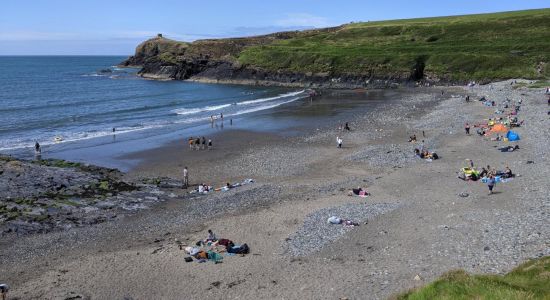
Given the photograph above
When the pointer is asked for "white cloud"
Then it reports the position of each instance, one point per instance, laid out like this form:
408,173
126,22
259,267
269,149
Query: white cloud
303,20
36,36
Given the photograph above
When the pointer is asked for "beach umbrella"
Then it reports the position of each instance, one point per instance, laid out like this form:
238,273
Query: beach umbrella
499,128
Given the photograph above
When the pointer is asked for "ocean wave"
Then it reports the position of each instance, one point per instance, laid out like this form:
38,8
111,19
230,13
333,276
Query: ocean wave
246,111
189,111
270,98
74,137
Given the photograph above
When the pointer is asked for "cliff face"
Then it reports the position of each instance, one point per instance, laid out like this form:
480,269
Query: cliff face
448,49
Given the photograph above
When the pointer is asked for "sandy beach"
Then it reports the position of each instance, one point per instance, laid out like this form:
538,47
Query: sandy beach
419,221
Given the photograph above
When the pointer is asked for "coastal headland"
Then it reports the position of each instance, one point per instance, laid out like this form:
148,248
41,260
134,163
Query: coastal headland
443,50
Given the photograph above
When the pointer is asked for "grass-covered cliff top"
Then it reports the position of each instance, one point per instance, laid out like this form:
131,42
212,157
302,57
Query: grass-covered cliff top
500,45
458,48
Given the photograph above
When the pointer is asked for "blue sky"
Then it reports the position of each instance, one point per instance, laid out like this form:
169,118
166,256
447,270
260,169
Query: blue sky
115,27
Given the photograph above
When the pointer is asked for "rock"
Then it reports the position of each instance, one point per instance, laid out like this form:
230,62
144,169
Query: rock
417,277
105,205
486,248
464,194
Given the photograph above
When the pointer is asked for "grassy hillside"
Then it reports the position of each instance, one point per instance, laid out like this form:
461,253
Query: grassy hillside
530,280
487,46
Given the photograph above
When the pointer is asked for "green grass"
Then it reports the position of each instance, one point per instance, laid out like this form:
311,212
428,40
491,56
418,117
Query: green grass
488,46
59,163
530,280
539,84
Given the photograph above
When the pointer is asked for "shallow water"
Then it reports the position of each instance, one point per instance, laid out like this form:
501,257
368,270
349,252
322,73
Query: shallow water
71,104
77,98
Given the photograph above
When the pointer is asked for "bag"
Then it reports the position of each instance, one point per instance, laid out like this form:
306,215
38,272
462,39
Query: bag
244,249
202,255
188,259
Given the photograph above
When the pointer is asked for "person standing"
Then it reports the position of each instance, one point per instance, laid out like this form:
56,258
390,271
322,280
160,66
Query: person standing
467,128
339,142
491,184
198,143
203,142
185,177
209,144
37,149
4,289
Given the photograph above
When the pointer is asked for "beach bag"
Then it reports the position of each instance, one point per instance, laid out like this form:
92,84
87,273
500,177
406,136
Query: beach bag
202,255
243,249
188,259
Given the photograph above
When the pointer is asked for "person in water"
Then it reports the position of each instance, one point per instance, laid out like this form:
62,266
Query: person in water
37,149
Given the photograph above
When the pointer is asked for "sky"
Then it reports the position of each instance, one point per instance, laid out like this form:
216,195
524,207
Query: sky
116,27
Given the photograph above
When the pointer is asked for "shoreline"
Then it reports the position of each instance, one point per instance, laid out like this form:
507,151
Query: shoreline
430,231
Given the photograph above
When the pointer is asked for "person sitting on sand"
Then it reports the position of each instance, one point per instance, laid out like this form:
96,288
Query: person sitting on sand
211,236
483,172
417,152
497,138
412,138
201,188
508,173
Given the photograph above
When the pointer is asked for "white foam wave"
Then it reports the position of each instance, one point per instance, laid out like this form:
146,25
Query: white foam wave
270,98
189,111
246,111
75,137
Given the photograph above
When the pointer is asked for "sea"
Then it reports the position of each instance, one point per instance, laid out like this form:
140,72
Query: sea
72,105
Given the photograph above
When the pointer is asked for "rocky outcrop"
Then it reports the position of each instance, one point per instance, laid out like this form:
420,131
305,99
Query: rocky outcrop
46,195
215,60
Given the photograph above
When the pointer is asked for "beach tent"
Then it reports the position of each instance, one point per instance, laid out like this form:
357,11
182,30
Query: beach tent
499,128
512,136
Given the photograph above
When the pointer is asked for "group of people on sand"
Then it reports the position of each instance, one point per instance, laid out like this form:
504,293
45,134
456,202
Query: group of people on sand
498,124
422,152
199,143
212,248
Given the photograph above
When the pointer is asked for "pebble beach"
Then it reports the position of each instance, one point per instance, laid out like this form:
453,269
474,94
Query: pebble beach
418,222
